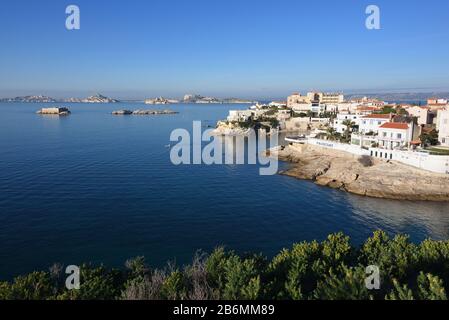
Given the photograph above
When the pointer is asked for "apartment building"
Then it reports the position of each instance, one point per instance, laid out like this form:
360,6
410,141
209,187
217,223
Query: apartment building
443,127
372,122
339,125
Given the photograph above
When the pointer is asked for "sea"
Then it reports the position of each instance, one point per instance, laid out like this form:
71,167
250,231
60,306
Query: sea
93,187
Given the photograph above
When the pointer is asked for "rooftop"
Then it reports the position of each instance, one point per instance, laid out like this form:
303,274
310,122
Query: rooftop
395,125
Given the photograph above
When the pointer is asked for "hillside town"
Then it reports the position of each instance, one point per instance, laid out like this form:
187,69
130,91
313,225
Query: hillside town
415,134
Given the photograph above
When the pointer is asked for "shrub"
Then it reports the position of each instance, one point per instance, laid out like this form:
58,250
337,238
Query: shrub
331,270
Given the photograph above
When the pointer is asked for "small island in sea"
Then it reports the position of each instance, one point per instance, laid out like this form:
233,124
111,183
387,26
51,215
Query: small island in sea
98,98
59,111
161,100
144,112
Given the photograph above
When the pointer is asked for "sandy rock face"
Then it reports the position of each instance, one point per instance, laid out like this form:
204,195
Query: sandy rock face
363,175
229,129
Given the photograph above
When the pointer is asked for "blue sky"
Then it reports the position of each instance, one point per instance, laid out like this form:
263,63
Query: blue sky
256,49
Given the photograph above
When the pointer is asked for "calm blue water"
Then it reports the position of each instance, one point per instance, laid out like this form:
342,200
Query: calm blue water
101,188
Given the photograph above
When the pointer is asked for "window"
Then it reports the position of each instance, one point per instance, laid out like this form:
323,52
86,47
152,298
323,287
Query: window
384,134
379,122
399,136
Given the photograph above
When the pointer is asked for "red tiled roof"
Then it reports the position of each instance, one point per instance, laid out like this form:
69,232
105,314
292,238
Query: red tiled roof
395,125
367,108
377,116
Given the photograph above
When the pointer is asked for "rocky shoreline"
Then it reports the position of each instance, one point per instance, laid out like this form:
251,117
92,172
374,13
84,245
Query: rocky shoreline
362,175
229,129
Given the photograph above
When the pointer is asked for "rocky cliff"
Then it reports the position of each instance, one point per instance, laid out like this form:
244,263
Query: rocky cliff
225,128
363,175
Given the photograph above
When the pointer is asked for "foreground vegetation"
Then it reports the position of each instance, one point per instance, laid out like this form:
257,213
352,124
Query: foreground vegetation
332,269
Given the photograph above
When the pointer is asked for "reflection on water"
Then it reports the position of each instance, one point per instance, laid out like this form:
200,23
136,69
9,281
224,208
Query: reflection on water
399,216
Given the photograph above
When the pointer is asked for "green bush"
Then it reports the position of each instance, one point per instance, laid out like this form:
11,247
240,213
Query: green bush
328,270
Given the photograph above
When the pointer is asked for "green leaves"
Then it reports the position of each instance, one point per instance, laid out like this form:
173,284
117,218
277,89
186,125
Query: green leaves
330,270
349,284
34,286
241,279
430,287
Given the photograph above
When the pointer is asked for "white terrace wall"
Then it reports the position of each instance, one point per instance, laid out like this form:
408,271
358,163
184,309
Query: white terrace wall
338,146
425,161
433,163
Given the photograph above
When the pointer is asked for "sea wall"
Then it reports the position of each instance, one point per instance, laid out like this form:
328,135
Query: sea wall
425,161
421,160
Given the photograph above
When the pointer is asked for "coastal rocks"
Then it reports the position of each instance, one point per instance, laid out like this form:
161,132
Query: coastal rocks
142,112
153,112
225,128
122,112
350,173
59,111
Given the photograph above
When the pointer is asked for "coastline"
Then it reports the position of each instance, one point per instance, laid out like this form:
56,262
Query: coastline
362,175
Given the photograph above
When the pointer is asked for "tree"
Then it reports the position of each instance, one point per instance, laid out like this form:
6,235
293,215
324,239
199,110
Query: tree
349,127
429,138
387,110
430,287
331,133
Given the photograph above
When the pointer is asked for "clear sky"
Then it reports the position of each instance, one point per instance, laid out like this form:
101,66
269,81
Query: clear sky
244,48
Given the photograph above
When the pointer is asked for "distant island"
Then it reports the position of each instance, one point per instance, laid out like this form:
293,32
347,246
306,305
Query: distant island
399,96
30,99
98,98
196,98
160,100
142,112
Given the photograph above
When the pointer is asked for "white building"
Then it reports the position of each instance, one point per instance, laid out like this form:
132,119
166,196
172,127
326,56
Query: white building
372,122
341,118
393,135
365,110
422,113
278,104
443,127
239,115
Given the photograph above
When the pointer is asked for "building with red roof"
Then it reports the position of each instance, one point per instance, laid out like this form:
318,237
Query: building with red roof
393,135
